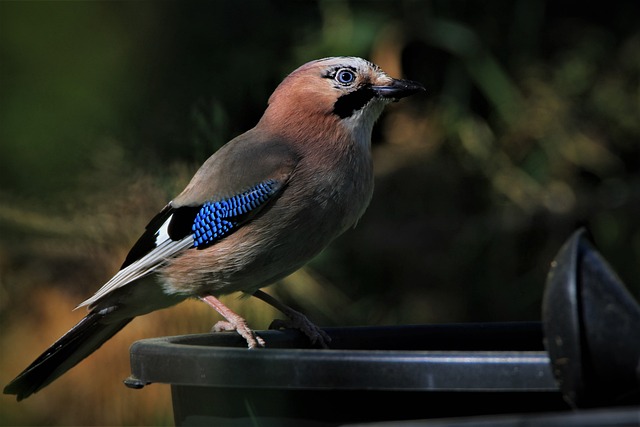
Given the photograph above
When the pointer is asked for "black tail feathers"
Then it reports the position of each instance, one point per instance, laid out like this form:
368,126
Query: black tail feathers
79,342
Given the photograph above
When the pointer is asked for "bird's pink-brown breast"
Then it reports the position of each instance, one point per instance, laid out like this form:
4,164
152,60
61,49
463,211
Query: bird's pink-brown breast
327,194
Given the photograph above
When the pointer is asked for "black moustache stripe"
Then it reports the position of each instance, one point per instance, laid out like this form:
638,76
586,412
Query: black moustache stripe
348,104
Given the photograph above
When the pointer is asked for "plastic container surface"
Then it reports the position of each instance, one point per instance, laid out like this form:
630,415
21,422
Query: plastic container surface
369,374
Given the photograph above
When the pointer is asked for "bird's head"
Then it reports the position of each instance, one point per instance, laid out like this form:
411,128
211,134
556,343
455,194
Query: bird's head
340,93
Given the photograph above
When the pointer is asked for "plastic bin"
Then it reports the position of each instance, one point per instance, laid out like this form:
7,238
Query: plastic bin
369,374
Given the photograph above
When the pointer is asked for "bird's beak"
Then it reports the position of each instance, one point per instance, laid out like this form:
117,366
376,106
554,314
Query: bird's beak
398,89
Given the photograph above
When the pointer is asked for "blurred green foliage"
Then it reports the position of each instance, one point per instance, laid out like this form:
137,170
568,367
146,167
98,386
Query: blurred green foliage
531,128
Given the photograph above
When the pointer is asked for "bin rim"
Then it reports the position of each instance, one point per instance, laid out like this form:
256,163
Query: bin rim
220,360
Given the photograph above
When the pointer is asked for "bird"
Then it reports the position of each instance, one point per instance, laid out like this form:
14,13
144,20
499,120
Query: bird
257,210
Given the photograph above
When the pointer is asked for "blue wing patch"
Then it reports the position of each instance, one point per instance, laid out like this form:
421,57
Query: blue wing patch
218,219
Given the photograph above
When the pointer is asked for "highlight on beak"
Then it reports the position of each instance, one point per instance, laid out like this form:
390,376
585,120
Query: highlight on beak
398,89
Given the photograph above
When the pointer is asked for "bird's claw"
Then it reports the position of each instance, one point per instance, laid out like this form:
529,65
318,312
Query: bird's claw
300,322
253,340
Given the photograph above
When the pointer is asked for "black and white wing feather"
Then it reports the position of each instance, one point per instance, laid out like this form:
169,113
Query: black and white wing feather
174,230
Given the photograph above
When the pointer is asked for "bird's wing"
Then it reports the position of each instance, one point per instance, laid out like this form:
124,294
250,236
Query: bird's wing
230,188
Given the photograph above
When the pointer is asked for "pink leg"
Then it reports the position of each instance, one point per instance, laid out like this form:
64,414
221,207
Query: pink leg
234,322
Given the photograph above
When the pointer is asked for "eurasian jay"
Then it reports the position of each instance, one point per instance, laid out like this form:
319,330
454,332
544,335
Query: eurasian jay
257,210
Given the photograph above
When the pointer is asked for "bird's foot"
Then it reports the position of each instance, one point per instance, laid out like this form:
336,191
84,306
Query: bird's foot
234,322
223,326
296,320
300,322
253,340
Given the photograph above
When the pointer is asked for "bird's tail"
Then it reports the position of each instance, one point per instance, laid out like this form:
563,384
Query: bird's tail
81,340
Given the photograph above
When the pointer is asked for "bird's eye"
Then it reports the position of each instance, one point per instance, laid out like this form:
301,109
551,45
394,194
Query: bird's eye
345,76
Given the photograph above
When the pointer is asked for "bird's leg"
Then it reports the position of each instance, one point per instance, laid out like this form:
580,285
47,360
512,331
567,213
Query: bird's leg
296,320
234,322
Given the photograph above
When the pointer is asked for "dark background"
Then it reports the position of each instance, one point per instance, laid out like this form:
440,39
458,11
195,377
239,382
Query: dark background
529,129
